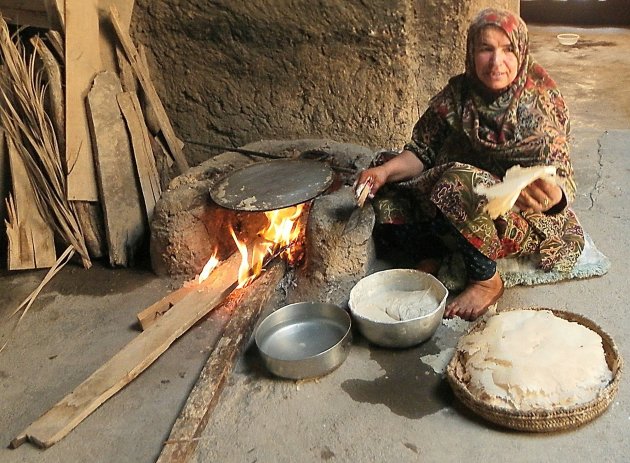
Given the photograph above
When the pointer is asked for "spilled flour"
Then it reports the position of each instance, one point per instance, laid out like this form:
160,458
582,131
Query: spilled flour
439,361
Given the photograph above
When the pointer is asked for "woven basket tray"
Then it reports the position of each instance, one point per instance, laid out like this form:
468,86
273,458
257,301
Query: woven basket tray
559,419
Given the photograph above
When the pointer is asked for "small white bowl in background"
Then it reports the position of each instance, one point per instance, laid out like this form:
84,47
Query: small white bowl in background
568,39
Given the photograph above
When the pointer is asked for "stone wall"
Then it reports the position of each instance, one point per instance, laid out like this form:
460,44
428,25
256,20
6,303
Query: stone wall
231,71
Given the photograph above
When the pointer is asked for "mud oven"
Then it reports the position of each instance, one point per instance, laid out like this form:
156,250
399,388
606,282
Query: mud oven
328,256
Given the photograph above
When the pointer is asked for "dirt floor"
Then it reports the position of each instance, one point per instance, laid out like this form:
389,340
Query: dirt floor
380,405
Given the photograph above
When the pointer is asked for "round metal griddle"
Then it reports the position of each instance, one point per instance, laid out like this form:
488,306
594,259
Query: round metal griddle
271,185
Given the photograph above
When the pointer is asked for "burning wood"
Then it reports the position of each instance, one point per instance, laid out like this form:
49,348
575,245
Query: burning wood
282,236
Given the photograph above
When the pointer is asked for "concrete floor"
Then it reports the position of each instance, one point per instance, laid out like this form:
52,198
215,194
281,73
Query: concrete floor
380,405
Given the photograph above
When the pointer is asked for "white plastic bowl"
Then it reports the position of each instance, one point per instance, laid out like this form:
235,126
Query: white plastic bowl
568,39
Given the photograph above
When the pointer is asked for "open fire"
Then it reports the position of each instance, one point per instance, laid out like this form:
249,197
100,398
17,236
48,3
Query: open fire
281,236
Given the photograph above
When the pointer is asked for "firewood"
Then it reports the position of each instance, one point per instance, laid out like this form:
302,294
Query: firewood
127,77
90,217
82,63
107,35
149,90
151,314
194,417
31,239
142,151
153,123
124,218
132,359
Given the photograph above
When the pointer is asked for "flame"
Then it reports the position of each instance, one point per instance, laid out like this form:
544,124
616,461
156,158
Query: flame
281,232
212,263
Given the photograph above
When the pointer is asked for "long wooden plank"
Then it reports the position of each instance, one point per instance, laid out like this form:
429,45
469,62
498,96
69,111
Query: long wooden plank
83,62
142,151
31,239
151,314
192,420
134,358
125,224
149,90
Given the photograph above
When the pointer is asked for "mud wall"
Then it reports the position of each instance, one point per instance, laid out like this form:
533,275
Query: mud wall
232,71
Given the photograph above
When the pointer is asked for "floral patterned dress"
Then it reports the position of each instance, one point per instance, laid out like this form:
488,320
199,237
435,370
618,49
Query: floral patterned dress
467,137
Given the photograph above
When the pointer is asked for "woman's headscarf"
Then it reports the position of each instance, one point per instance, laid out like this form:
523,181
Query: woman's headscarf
525,124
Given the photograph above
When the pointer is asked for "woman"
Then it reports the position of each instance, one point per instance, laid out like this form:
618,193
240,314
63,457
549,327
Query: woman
503,111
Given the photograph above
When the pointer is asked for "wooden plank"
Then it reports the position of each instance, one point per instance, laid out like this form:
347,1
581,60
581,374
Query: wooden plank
83,62
193,418
125,225
90,217
31,239
131,360
142,151
163,162
153,123
107,35
25,12
33,5
149,90
151,314
127,77
56,12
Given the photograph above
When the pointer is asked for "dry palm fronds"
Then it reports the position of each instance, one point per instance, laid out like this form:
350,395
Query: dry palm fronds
27,124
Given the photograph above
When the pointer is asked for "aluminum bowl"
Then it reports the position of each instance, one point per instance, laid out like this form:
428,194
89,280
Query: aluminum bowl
388,332
304,340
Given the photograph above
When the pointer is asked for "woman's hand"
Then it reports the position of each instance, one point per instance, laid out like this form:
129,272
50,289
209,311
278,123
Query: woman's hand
378,176
402,167
539,196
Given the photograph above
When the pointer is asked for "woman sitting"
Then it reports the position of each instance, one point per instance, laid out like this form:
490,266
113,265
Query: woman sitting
503,111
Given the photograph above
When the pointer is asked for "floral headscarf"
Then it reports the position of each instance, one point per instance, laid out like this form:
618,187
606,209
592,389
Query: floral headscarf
526,124
514,28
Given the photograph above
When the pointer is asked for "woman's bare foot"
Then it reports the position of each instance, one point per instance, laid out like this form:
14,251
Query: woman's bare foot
476,298
429,265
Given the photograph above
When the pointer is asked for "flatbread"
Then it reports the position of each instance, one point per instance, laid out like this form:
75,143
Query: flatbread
503,195
531,360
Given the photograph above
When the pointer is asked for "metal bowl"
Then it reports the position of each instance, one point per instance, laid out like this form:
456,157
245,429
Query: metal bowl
304,340
386,331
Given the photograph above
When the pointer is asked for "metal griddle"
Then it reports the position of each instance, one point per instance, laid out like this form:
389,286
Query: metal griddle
266,186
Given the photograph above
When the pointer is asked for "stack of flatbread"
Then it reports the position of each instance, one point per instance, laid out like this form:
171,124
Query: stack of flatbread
531,360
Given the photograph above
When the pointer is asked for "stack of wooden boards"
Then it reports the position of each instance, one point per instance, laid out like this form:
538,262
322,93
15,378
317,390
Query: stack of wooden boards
115,140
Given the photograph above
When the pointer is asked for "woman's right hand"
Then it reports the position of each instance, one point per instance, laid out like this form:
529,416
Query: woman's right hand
377,175
402,167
